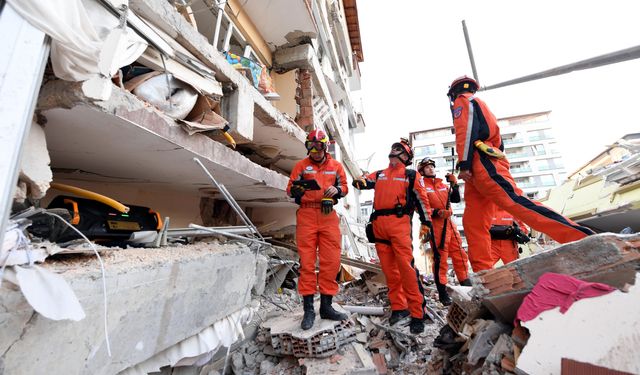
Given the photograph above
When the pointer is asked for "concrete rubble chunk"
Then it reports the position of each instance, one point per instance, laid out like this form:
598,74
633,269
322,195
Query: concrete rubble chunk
605,258
484,340
354,360
465,308
322,340
156,298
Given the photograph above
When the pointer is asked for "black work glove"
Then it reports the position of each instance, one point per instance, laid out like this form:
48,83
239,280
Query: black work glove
297,191
359,183
326,205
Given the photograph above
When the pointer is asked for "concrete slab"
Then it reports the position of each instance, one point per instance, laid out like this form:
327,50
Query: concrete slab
124,141
165,17
156,298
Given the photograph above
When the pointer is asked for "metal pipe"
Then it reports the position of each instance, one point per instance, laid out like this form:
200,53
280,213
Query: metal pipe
227,234
365,310
594,62
229,198
216,33
240,211
470,51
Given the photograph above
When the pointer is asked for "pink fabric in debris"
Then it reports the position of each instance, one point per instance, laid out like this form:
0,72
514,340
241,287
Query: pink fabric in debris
553,290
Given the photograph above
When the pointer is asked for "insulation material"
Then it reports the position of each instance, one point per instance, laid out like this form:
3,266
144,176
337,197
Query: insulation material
198,349
603,331
78,30
173,97
48,293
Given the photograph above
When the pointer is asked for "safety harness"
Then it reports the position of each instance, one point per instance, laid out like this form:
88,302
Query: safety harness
399,210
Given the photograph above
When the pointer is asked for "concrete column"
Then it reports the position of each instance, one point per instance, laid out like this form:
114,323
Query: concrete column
25,51
237,108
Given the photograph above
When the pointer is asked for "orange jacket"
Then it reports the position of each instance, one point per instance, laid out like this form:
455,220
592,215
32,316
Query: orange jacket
328,173
391,187
437,192
473,121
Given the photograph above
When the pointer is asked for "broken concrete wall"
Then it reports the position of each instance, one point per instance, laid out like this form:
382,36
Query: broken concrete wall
156,298
286,88
34,165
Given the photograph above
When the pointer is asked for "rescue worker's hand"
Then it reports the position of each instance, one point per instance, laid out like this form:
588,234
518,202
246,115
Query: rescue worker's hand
359,183
451,178
297,191
445,213
425,233
330,192
465,175
326,205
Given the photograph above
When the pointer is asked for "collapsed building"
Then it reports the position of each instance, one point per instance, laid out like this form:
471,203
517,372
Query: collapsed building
192,113
604,194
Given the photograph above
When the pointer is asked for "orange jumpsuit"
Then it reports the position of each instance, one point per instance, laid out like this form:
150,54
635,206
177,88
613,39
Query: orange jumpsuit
501,249
318,235
492,185
395,249
437,192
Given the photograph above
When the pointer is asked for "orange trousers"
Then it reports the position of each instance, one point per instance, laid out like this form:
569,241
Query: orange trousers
505,250
318,237
396,260
452,248
492,185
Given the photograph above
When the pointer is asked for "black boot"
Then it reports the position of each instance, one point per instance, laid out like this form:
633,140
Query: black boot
397,315
465,282
443,295
327,311
416,326
309,314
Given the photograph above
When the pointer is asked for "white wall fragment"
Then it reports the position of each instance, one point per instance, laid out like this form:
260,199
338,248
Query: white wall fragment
603,331
34,165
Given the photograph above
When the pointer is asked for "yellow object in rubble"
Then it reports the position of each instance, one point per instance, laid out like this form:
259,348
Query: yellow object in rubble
91,195
491,151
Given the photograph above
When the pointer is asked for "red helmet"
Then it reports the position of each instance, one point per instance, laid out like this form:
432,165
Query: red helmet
400,148
317,141
462,84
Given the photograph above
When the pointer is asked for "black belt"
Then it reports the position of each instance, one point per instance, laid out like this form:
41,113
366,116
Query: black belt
388,212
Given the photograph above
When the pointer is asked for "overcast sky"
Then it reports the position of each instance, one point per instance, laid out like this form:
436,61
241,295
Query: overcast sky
413,49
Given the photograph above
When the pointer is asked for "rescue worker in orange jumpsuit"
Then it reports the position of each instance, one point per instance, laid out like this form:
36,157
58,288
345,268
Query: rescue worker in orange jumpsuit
506,234
398,192
485,170
446,236
317,225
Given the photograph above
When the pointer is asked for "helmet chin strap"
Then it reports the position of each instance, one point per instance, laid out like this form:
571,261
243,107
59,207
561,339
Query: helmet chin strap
324,157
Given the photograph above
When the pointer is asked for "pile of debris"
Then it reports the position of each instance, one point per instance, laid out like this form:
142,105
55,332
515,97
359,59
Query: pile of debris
364,344
544,314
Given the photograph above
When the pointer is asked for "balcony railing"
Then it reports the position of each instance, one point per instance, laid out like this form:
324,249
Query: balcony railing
512,141
520,170
533,138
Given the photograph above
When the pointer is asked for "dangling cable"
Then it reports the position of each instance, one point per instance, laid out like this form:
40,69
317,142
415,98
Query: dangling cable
104,277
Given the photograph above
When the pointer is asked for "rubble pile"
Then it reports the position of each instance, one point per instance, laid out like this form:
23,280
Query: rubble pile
543,313
364,344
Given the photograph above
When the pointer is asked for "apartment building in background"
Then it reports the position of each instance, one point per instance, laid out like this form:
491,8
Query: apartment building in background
530,145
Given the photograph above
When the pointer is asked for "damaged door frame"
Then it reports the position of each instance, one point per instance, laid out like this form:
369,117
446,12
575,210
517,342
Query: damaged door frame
21,72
